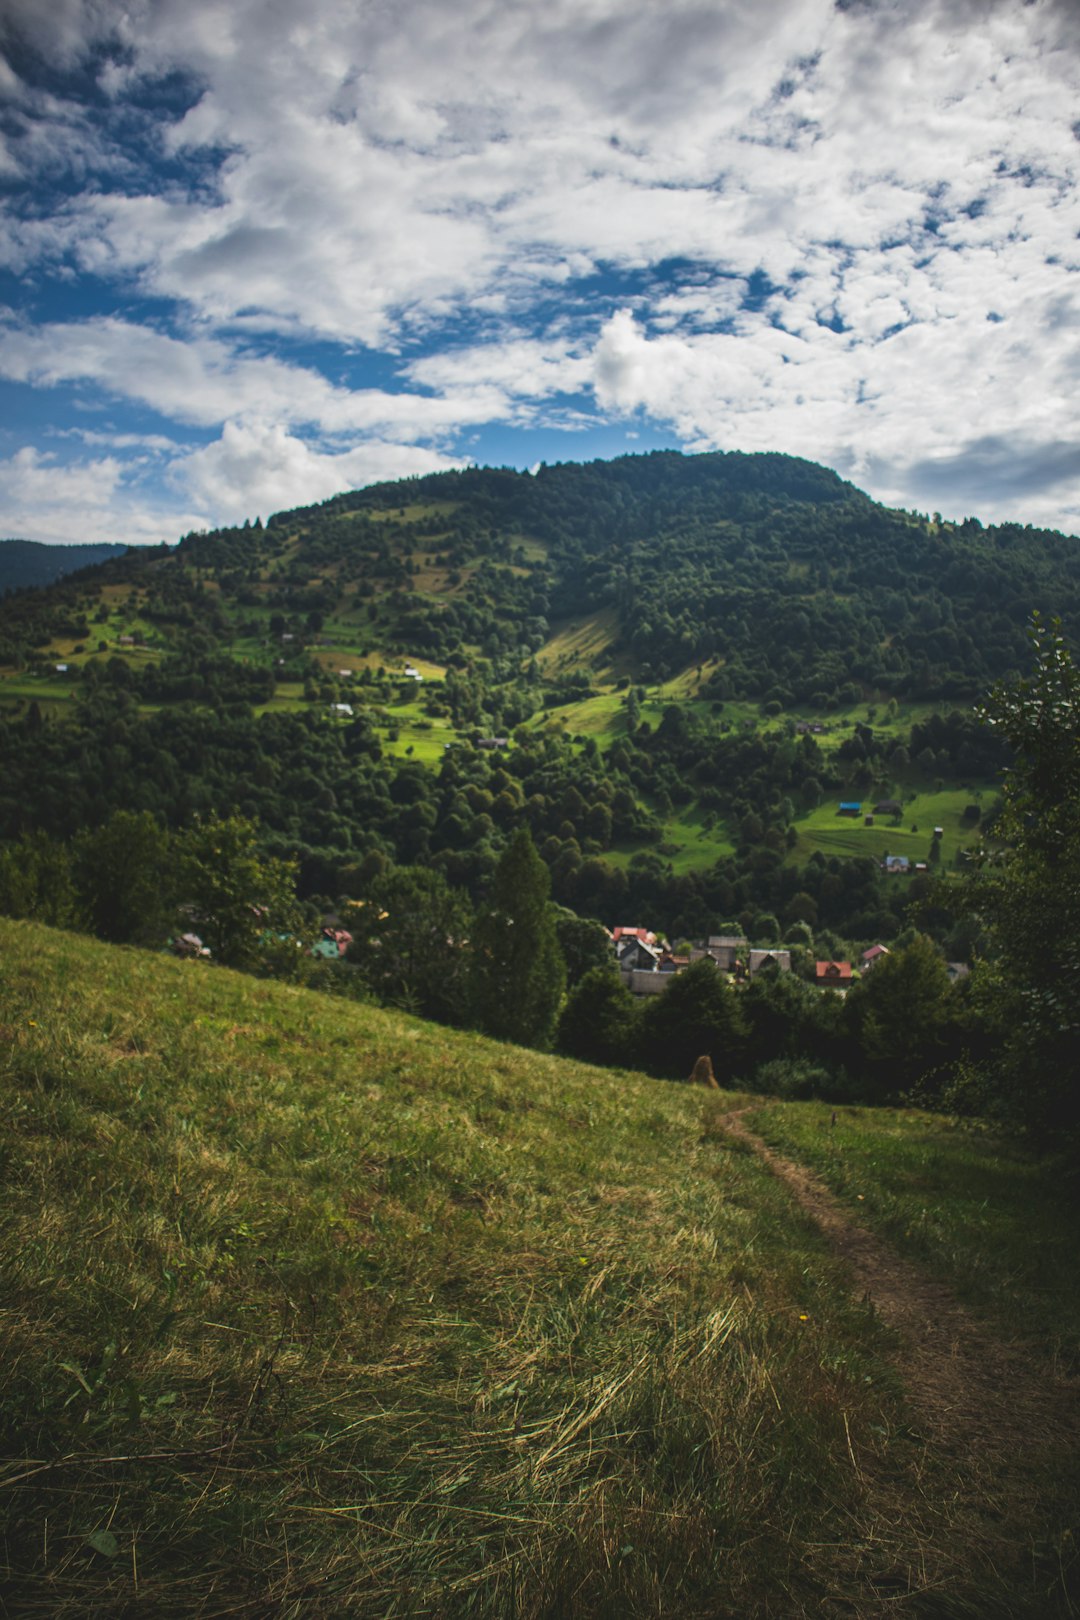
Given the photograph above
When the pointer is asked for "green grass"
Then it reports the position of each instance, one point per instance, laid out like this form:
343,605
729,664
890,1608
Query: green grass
579,644
311,1308
418,737
696,846
823,829
969,1203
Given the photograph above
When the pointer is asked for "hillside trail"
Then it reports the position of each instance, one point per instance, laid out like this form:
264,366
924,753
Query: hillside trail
995,1414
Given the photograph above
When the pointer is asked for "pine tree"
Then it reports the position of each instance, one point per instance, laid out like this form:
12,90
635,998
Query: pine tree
1029,897
518,971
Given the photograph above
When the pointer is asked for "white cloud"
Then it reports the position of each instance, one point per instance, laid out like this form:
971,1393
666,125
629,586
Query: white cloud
255,469
203,381
522,367
83,502
249,469
882,179
911,415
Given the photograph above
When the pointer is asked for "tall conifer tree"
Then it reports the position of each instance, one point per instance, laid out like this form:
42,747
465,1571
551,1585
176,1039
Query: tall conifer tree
518,971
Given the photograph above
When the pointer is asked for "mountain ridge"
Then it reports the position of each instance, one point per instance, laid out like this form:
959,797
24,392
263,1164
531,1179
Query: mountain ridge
31,562
670,668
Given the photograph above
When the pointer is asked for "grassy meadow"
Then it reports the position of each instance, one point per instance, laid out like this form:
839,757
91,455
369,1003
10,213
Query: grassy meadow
312,1308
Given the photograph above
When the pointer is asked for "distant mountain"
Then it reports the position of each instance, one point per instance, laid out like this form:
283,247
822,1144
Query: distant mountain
27,562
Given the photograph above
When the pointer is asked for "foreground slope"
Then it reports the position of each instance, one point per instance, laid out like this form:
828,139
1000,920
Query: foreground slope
311,1307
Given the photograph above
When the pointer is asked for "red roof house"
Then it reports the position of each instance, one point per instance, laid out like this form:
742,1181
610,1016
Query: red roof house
833,975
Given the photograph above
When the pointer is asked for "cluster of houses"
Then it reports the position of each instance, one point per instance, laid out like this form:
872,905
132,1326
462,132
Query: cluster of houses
647,964
331,945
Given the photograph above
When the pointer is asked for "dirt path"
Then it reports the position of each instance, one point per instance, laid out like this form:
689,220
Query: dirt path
983,1401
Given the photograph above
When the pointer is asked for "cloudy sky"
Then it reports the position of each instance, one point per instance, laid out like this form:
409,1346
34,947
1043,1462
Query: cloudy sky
253,252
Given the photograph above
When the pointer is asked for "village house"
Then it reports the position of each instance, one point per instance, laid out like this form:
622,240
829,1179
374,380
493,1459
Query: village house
779,960
619,934
643,982
637,955
832,975
870,958
897,865
723,949
333,942
850,807
669,963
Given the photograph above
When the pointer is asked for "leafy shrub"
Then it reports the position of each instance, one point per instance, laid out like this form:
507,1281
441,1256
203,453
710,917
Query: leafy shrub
792,1078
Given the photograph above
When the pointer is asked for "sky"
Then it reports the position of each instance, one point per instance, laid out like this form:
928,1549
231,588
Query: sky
254,252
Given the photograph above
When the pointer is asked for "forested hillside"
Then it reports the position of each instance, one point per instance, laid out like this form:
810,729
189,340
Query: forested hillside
671,670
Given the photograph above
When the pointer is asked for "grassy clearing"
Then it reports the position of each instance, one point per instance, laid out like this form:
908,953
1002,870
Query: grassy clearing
417,735
972,1205
579,644
311,1307
696,845
823,829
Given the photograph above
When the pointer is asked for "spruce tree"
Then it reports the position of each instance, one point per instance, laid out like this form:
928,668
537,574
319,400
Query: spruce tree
518,971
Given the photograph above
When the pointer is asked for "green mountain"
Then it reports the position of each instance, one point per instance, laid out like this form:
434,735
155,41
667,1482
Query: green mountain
691,660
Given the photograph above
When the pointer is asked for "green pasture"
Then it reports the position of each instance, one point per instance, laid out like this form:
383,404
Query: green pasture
578,644
288,698
427,744
38,688
823,829
414,512
697,846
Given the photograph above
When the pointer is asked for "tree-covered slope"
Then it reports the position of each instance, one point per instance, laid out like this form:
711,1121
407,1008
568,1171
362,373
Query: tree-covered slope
690,659
772,570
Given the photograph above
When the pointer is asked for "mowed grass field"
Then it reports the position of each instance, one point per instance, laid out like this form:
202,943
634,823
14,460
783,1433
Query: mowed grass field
834,834
310,1308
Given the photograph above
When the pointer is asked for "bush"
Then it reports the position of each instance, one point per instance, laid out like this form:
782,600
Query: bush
794,1079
